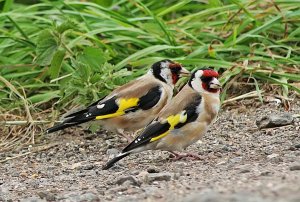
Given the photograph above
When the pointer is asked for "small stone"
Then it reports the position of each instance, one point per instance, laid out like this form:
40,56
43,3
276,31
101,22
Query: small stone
274,158
91,137
33,199
15,174
266,173
130,178
68,155
295,167
23,174
165,176
271,156
143,176
47,196
81,175
108,142
275,120
226,148
88,167
80,197
152,170
297,146
236,159
245,171
82,150
135,172
112,151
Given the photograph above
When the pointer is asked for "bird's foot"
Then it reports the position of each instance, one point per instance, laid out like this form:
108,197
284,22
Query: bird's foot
127,137
178,156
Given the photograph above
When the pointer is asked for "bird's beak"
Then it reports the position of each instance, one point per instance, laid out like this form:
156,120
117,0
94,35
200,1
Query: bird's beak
215,84
184,72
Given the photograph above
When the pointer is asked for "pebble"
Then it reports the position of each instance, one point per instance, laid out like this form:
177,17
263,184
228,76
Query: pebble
275,120
295,167
112,152
33,199
88,167
47,196
236,159
129,178
271,156
274,158
80,197
153,170
266,173
82,150
245,171
213,196
165,176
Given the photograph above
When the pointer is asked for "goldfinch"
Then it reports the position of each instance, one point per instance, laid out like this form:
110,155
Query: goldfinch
132,106
183,121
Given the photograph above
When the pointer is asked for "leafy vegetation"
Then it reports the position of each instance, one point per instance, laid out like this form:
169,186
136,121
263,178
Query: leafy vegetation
59,54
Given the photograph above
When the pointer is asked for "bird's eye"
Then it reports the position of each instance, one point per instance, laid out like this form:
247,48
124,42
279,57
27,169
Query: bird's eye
205,79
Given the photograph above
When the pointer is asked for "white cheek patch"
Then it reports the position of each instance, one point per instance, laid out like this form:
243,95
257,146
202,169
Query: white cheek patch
100,106
196,82
166,74
199,74
164,64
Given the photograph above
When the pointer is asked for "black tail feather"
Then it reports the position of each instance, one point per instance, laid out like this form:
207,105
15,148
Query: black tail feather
78,119
77,113
110,163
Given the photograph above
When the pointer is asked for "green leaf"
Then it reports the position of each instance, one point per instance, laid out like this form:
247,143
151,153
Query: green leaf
56,63
43,97
67,25
94,57
145,52
46,48
7,5
174,7
104,3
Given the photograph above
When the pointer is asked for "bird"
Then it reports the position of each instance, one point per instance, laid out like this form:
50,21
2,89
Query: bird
132,106
181,122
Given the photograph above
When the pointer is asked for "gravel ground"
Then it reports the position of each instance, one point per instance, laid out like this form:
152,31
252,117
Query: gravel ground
238,162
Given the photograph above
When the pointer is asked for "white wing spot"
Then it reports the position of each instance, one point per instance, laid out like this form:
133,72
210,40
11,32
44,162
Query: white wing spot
100,106
88,114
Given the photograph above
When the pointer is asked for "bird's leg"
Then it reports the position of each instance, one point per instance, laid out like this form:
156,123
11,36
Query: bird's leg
127,136
178,156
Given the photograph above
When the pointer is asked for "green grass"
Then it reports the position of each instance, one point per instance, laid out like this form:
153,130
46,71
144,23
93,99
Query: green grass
59,54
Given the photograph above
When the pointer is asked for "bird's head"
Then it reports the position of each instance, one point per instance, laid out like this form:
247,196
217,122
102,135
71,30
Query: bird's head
205,80
168,71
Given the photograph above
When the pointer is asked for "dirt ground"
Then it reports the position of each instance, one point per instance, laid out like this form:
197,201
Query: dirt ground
239,163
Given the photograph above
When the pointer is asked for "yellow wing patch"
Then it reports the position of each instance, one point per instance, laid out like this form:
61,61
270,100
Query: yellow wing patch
123,105
173,120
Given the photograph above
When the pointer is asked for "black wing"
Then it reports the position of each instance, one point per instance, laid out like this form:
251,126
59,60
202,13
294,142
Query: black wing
156,129
88,114
148,100
108,108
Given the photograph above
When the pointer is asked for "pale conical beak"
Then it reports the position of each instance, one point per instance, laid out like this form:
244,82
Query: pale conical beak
215,84
184,72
